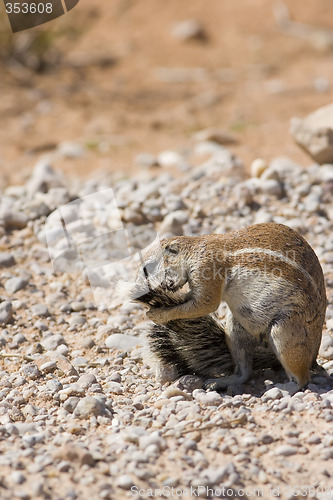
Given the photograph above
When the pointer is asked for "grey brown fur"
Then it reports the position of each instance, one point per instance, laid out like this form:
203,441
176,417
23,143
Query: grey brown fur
191,346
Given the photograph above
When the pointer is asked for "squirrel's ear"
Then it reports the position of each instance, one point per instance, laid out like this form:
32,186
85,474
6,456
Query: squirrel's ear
172,248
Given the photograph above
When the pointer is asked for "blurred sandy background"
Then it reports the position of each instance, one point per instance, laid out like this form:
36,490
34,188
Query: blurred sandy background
117,79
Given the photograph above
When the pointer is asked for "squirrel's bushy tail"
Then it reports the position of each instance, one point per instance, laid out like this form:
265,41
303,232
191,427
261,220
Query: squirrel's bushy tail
192,346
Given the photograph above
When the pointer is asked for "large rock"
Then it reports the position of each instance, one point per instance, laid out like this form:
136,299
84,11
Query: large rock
58,359
315,134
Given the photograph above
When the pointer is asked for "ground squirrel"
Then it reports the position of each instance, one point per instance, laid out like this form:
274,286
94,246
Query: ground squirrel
272,282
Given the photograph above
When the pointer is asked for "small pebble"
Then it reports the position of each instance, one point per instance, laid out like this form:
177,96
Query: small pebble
124,482
285,450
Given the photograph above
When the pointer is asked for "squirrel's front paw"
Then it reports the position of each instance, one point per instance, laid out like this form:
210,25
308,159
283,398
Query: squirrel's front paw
157,315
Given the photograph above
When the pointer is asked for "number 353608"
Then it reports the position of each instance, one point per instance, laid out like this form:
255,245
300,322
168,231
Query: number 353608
28,8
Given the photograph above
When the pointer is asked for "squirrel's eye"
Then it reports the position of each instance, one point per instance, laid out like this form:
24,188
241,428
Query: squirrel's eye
172,250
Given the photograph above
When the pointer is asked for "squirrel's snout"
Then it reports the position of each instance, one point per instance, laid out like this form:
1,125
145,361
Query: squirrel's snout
149,268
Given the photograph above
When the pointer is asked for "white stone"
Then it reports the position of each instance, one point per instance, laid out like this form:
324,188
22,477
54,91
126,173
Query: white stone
273,393
258,167
122,342
169,159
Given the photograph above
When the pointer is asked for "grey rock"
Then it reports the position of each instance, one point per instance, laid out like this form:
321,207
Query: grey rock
51,342
313,440
327,454
71,403
271,187
63,349
115,388
6,312
88,407
78,306
40,310
30,371
17,477
54,385
87,343
19,339
122,342
13,285
13,219
6,260
77,320
315,134
64,466
86,380
48,367
40,325
80,361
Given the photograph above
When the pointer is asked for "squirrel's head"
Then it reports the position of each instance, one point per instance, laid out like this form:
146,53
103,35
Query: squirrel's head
174,261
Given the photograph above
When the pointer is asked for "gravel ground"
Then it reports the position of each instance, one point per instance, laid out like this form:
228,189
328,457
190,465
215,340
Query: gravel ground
81,414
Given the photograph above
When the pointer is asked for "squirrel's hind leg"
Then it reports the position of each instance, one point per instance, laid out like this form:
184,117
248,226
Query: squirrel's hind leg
241,345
